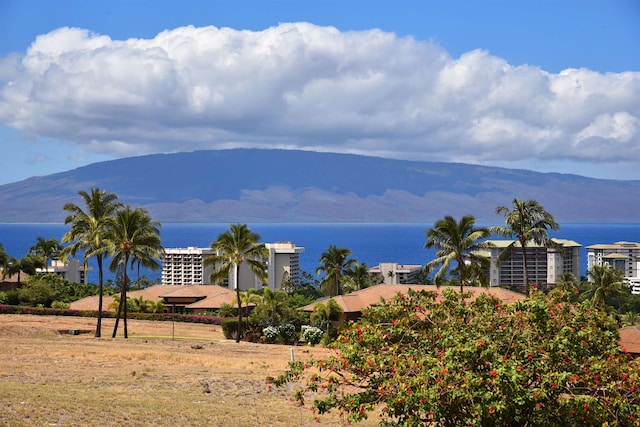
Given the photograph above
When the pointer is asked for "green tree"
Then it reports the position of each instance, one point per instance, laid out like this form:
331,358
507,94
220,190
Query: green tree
4,259
134,236
334,263
46,249
460,242
527,221
324,313
441,360
272,309
233,248
605,283
87,231
357,277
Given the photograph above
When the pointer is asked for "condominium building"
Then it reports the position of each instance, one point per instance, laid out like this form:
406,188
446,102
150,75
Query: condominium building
70,270
392,273
184,266
623,256
545,266
283,264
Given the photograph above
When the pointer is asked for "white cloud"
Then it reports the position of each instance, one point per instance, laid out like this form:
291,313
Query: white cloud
301,85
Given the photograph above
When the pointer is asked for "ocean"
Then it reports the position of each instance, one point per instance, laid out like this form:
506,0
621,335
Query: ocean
369,243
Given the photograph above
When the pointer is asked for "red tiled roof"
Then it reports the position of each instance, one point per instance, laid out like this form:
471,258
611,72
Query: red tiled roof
630,339
359,300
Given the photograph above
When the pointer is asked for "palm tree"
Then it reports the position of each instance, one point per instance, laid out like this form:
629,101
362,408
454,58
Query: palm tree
133,237
358,277
323,313
460,242
334,262
46,249
527,221
88,228
606,282
249,297
231,249
4,260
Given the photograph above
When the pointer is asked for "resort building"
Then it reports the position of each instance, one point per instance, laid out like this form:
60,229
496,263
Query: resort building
392,273
71,270
545,266
623,256
283,264
185,266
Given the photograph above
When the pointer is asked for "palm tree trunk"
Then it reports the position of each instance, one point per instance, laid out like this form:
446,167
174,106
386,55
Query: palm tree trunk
115,326
239,305
100,292
124,296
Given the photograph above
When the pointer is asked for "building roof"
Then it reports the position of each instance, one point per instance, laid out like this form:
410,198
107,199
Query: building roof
500,243
359,300
614,256
630,339
615,246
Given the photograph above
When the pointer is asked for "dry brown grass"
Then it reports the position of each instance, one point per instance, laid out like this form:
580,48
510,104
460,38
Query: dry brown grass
51,378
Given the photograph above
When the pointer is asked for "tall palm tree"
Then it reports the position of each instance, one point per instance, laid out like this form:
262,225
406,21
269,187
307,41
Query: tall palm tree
4,261
606,282
87,232
231,249
457,241
334,262
133,237
527,221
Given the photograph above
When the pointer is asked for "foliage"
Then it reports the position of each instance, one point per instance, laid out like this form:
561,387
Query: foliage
274,309
357,277
230,329
227,310
43,289
334,263
311,334
428,359
231,249
605,284
324,313
271,333
527,221
460,242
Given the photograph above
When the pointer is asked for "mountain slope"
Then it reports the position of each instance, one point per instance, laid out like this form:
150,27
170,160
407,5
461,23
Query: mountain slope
251,185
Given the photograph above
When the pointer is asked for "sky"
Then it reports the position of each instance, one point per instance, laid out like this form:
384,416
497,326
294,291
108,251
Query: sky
544,85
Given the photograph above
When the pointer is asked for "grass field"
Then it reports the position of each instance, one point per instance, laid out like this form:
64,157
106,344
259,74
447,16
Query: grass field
165,374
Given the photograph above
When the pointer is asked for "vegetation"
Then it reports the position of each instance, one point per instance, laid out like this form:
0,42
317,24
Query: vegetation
88,228
334,263
134,237
527,221
441,360
232,249
459,242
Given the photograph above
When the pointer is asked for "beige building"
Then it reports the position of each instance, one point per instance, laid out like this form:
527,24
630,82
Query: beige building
545,266
392,273
185,266
624,256
71,270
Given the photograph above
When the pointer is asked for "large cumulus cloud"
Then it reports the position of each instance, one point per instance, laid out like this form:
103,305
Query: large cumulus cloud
304,86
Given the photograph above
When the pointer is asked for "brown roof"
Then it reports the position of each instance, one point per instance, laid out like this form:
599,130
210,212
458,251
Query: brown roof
630,339
211,296
359,300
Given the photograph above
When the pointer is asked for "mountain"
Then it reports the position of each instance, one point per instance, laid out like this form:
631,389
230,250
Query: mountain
252,185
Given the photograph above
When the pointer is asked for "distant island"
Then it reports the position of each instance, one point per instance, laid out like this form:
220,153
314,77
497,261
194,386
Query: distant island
254,185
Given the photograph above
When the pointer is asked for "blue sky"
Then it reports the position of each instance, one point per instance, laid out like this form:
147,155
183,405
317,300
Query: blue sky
545,85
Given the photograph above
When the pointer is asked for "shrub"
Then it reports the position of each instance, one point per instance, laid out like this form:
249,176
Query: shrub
230,328
311,334
271,334
288,333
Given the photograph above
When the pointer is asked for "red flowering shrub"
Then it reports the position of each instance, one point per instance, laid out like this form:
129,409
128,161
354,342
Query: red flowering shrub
421,361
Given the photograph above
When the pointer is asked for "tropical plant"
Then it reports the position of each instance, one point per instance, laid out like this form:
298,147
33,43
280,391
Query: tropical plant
324,313
311,334
4,259
527,221
231,249
227,310
334,262
630,318
460,242
87,233
28,265
134,236
357,277
424,359
249,297
46,249
605,283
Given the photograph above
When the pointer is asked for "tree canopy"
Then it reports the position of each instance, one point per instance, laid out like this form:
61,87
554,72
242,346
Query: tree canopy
442,360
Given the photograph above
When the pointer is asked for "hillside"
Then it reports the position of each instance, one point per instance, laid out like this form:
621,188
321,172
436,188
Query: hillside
252,185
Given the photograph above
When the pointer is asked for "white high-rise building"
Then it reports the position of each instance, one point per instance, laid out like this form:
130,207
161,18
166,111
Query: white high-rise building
624,256
184,266
283,263
70,270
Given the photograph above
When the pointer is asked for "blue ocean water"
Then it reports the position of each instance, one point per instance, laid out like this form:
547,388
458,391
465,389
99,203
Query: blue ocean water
369,243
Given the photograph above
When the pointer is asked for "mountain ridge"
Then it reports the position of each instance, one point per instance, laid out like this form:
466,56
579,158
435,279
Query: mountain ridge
259,185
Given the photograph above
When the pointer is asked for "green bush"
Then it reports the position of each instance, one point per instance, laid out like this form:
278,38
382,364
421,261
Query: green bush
230,328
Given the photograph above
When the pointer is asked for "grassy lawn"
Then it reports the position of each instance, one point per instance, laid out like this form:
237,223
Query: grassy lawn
51,378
